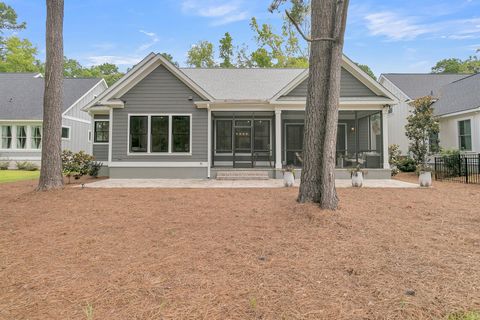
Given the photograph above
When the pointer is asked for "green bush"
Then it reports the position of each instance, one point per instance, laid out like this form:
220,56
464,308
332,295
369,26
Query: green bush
407,164
393,158
76,164
4,165
95,168
27,166
452,162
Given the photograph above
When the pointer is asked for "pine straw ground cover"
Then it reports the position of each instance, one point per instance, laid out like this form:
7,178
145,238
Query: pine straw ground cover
238,254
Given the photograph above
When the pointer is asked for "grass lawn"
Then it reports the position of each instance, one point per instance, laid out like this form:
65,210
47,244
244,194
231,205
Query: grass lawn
239,254
17,175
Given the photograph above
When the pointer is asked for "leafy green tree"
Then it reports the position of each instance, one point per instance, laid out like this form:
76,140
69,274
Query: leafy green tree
367,70
8,18
18,55
261,58
421,126
226,51
455,65
169,57
72,68
107,71
201,55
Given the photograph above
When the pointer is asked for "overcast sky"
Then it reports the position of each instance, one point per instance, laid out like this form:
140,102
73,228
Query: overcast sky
389,36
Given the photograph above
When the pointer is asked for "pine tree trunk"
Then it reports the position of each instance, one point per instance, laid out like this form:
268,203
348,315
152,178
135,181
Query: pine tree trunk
321,112
51,168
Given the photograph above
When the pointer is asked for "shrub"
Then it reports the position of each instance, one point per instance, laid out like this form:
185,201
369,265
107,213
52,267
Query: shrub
95,168
27,166
452,162
76,164
4,165
407,164
393,158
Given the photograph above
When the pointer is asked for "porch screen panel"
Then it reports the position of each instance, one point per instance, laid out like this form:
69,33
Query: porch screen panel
159,133
138,133
224,136
180,134
6,137
21,137
341,137
262,135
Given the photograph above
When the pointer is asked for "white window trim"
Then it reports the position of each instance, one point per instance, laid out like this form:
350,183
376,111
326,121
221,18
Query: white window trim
31,137
471,133
233,136
149,135
69,133
93,131
29,126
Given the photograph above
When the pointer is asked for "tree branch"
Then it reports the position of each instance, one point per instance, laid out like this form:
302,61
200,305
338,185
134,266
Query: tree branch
306,38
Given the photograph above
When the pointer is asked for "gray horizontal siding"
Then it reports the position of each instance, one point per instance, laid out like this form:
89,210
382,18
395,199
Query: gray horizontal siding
100,152
160,92
18,154
349,87
158,173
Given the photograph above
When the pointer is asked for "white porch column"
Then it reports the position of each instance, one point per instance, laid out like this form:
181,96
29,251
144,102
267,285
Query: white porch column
278,139
386,165
209,143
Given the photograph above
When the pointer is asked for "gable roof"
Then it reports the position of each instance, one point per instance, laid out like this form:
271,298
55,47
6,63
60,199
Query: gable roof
228,85
21,97
242,84
416,85
460,95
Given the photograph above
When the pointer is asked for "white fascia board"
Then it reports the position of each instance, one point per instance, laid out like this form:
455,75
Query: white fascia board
101,82
459,113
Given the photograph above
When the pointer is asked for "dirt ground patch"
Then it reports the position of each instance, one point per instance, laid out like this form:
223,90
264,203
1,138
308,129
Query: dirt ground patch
238,254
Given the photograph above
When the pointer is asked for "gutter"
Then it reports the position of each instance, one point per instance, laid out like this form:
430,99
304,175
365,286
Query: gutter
453,114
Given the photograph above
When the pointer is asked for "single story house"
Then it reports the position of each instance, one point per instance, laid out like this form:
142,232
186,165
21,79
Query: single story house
458,107
21,114
408,87
160,121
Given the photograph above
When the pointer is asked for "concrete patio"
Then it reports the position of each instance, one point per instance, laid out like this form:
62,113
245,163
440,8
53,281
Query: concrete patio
205,183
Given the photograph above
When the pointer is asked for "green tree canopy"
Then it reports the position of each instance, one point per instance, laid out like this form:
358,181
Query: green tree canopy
367,70
19,55
169,57
107,71
8,18
201,55
421,126
455,65
226,51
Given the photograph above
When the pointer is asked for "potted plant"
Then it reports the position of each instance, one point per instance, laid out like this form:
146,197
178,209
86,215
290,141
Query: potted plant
289,176
357,174
424,175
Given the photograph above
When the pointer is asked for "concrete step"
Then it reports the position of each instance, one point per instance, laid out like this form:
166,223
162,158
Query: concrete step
242,175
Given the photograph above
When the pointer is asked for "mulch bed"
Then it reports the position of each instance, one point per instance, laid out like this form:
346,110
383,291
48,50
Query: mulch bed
238,254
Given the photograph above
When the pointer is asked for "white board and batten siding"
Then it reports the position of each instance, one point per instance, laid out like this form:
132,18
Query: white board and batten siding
449,131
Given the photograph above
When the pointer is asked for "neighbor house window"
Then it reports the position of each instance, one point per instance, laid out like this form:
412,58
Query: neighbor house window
36,137
6,137
159,128
180,134
138,133
101,131
465,135
21,137
224,136
65,133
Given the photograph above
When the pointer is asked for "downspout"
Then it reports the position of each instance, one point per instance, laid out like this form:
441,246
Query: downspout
209,143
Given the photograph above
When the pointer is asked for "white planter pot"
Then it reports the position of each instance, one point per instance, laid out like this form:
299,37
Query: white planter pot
425,179
288,179
357,179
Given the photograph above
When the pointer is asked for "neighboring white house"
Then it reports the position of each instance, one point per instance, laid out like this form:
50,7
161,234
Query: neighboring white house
21,113
408,87
458,107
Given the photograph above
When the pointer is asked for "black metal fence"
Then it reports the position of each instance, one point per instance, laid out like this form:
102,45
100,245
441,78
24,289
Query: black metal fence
463,168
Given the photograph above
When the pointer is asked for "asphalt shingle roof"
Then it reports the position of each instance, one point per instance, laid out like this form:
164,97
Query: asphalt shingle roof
21,95
459,96
416,85
242,84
